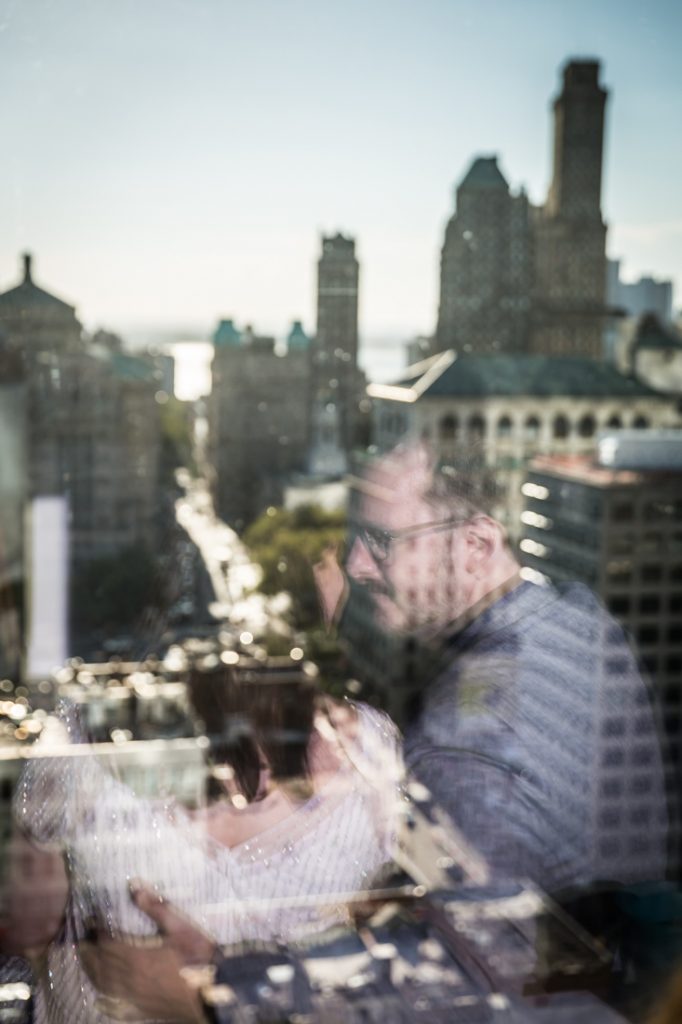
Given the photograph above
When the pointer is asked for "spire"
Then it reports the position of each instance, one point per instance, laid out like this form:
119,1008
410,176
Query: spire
27,260
297,338
226,334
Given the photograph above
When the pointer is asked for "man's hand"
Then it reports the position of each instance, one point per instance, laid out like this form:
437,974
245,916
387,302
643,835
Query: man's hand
181,935
138,982
149,973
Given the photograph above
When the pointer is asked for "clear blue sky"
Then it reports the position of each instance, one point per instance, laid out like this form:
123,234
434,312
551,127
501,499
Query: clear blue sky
173,161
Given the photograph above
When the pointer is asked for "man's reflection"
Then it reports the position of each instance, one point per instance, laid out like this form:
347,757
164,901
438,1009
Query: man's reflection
535,730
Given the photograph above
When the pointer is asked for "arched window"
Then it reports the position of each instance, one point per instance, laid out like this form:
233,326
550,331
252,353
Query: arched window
504,427
640,423
586,426
614,422
561,426
531,428
477,427
447,428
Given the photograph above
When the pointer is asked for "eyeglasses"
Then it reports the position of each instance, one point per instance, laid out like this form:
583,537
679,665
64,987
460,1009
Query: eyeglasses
379,542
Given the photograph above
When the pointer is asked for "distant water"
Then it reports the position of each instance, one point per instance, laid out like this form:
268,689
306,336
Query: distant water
382,360
192,368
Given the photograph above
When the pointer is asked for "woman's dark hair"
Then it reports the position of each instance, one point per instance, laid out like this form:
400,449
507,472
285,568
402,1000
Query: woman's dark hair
255,716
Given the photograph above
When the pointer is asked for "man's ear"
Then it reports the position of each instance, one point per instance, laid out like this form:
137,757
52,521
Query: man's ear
483,541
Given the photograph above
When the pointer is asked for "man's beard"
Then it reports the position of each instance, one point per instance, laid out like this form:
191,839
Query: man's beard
426,614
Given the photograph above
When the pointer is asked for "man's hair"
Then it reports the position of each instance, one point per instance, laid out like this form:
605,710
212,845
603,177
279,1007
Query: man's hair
462,485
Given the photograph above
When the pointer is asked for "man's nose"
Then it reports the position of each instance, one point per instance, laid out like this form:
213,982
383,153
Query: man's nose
360,565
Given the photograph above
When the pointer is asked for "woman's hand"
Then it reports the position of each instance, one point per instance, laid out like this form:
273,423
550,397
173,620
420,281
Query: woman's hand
150,975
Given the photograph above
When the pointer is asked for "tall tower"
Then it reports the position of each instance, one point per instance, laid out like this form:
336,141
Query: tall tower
486,266
335,351
575,191
570,237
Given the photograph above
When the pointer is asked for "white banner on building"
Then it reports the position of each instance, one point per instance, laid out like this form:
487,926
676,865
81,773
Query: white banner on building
47,575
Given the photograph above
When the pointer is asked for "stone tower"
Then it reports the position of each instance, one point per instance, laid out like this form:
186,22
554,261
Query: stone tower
570,235
335,350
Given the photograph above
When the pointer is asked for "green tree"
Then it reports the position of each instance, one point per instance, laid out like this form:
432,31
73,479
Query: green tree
287,543
176,437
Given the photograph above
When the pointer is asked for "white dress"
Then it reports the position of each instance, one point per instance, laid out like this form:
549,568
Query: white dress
262,889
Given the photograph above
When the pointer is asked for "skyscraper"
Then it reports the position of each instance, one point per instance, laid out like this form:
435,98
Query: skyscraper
518,278
335,350
570,235
486,266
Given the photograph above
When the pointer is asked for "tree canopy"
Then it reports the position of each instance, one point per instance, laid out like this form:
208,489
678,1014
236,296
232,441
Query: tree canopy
287,543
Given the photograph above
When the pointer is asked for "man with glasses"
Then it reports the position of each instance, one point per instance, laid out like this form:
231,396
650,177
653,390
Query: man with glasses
524,729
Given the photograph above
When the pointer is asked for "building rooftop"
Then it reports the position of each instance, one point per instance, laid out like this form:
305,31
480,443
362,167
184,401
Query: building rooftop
484,173
226,334
129,367
650,333
452,375
28,296
338,245
297,338
586,470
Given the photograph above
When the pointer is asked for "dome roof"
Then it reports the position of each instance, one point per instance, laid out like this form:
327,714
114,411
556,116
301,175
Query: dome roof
28,298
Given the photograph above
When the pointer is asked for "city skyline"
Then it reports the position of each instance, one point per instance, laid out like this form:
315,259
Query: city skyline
169,166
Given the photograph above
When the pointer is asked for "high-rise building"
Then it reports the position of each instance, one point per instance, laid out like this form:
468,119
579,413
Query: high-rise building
90,429
334,352
516,278
614,521
486,266
570,234
259,419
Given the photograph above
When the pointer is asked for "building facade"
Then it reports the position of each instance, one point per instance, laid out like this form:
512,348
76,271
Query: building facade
334,351
513,407
92,431
570,235
516,278
618,528
89,430
13,457
486,266
259,419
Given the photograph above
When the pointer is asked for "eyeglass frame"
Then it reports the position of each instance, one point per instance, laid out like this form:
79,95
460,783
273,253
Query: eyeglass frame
364,533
